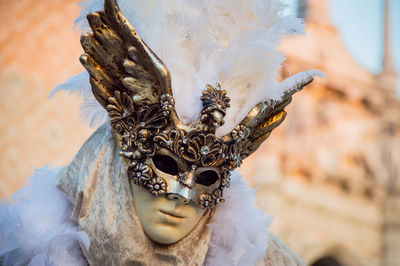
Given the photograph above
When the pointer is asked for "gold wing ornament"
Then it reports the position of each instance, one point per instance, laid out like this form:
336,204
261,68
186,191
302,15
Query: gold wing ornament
120,62
134,86
257,126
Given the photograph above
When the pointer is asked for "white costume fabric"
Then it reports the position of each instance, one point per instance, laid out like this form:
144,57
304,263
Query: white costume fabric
89,216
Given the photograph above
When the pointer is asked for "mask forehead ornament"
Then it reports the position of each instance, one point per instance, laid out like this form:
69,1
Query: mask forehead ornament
161,153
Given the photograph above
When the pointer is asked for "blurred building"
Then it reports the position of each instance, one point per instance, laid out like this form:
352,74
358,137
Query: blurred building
330,174
38,50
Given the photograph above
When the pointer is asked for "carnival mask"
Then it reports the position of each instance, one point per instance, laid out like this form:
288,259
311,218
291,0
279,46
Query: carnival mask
162,154
166,220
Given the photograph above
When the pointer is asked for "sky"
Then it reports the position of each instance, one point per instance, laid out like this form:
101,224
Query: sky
360,24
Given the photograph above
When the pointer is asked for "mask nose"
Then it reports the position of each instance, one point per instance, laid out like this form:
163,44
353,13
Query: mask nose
187,178
182,190
182,195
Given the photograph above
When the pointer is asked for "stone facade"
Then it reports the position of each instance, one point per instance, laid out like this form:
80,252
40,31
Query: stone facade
332,167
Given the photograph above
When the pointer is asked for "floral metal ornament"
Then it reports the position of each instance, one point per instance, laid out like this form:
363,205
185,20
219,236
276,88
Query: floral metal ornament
162,154
156,186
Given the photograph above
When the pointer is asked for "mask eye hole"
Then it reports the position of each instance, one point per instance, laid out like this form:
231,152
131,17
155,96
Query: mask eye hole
207,178
166,164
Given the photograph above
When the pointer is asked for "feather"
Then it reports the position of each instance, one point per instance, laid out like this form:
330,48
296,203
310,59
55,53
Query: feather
232,42
240,229
299,78
36,228
91,112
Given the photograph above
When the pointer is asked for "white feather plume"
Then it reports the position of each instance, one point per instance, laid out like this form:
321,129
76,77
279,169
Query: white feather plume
299,78
232,42
91,111
240,228
35,227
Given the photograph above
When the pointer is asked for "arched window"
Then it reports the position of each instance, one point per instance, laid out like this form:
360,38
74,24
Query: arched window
327,261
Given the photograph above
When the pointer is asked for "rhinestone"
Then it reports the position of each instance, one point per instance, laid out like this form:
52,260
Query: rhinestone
128,134
138,174
219,106
169,142
241,134
205,150
165,113
203,117
123,114
194,166
157,187
142,124
184,141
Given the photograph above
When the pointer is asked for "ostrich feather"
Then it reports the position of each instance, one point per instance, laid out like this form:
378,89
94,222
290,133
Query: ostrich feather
233,42
91,111
36,228
240,228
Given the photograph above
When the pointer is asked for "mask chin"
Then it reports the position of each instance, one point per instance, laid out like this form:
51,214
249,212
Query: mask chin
165,219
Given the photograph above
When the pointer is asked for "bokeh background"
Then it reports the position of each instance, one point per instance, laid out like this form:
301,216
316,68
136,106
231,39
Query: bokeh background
329,175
